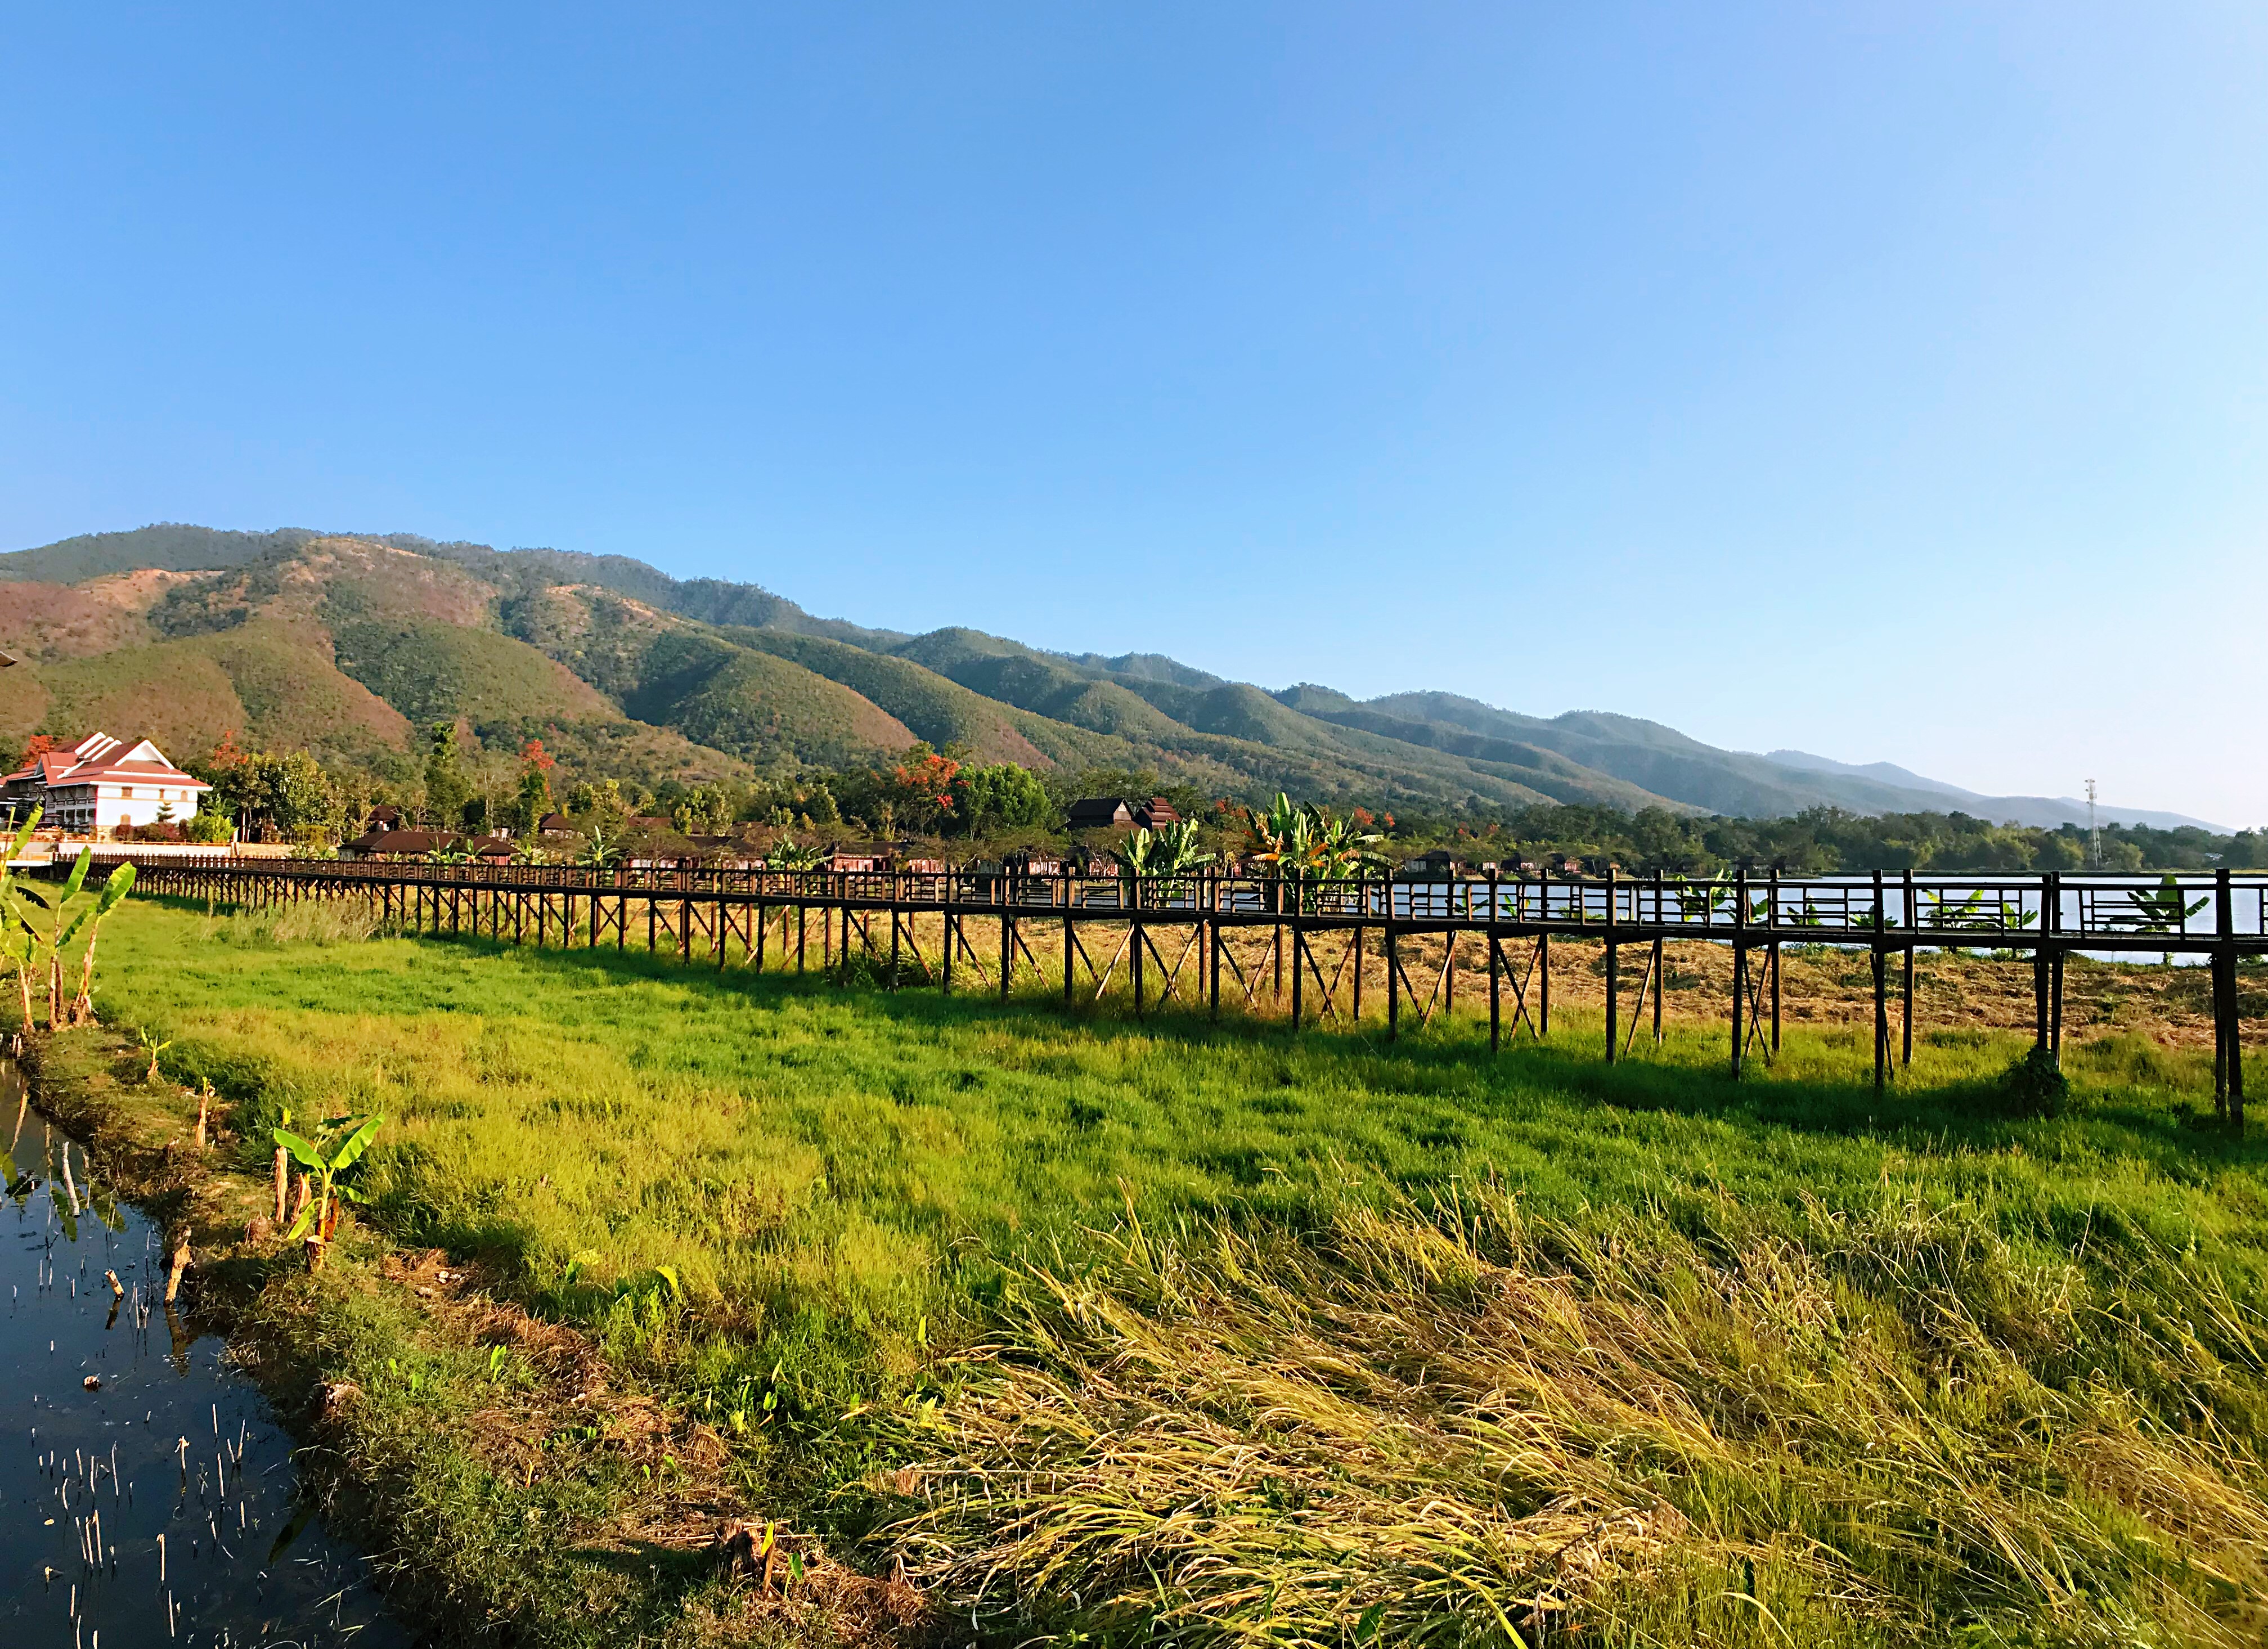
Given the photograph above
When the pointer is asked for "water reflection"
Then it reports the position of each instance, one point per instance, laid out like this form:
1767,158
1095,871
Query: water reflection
150,1492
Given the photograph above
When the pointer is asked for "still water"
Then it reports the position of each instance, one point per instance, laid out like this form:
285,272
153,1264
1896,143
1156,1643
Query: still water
157,1505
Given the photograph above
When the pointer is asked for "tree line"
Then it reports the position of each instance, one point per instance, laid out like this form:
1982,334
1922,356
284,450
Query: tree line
945,796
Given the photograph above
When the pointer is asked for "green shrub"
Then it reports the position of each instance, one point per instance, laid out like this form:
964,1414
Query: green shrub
2034,1086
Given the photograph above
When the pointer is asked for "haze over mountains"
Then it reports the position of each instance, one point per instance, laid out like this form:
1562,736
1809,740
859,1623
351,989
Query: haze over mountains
348,643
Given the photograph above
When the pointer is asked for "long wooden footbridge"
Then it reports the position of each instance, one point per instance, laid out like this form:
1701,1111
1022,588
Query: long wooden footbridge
1175,938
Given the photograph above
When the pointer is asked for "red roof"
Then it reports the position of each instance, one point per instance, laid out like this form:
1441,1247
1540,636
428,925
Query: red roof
131,772
97,759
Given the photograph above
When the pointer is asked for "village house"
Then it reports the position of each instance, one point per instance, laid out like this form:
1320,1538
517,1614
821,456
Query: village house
1106,813
99,784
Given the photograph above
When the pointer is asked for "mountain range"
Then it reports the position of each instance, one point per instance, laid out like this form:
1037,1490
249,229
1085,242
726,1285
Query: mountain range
348,643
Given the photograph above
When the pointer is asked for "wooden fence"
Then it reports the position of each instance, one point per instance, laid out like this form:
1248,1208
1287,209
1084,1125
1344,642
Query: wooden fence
1170,938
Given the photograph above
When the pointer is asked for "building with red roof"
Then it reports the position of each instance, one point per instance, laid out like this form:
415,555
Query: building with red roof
100,784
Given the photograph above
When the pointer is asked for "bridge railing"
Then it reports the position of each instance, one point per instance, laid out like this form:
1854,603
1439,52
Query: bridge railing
2132,912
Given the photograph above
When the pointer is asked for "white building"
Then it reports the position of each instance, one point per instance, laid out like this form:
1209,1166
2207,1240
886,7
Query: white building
100,784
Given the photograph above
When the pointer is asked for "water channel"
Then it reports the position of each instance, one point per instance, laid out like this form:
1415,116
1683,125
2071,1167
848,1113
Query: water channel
149,1494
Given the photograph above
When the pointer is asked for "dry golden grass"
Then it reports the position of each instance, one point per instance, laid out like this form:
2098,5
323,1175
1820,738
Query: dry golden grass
1468,1426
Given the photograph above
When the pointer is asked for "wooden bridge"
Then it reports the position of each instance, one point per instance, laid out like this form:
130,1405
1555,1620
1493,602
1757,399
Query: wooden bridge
1175,938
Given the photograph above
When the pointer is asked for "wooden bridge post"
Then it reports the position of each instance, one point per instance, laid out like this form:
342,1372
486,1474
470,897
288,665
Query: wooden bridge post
1614,1016
1069,942
2051,927
1007,933
1772,921
2040,981
1910,915
2229,1022
1496,987
1299,957
1134,936
1660,973
1277,900
1392,967
1882,995
945,899
1450,935
1212,944
1740,966
1543,957
1361,939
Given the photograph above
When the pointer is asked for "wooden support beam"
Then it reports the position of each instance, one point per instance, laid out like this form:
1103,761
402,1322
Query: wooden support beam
1910,918
1740,966
1495,969
1881,997
1613,1023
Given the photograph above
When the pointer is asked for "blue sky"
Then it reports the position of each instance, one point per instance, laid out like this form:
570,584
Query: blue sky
1888,381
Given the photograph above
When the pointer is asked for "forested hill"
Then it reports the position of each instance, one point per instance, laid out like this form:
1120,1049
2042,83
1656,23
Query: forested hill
345,643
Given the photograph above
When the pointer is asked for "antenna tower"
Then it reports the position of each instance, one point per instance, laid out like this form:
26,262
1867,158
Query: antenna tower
2093,835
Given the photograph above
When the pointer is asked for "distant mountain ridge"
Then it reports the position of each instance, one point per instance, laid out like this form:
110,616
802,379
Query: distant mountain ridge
345,643
2047,813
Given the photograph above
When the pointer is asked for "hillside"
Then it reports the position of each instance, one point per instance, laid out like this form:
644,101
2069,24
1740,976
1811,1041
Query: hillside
348,644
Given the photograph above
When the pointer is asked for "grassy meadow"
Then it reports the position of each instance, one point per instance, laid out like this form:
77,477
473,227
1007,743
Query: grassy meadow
1099,1331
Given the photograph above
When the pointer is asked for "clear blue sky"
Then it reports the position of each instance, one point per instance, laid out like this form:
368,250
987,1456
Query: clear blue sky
1563,356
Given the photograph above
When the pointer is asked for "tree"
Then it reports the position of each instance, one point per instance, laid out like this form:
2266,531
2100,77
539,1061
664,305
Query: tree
290,794
1001,797
301,800
701,811
920,789
35,746
447,789
532,799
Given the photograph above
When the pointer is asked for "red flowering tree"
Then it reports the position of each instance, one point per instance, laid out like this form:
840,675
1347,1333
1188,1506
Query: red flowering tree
534,799
226,755
921,790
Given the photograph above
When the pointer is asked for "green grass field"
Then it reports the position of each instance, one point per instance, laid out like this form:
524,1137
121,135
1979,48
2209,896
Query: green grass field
1210,1335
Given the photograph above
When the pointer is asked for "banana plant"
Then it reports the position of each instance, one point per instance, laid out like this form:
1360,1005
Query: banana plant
599,851
450,853
2160,909
1303,844
1699,902
18,947
50,949
793,856
348,1136
1165,851
114,895
1940,912
528,850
